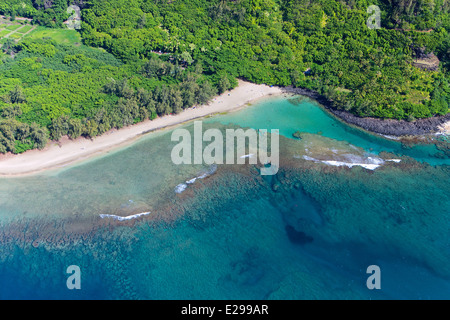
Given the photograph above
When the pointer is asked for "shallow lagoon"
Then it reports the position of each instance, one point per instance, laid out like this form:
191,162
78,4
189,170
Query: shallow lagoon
309,232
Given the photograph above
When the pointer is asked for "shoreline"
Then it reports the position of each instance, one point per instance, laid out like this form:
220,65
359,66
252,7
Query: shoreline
385,127
67,152
58,154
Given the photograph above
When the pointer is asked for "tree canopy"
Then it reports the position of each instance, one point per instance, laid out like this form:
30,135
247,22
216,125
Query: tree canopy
164,56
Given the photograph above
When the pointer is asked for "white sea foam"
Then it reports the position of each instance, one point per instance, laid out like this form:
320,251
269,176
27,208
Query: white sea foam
182,186
390,137
369,166
371,163
395,160
119,218
191,181
375,160
203,176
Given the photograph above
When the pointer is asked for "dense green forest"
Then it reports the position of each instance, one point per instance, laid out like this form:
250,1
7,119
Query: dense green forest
144,58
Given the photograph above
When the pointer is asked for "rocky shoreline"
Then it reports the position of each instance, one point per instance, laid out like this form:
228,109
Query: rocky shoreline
388,127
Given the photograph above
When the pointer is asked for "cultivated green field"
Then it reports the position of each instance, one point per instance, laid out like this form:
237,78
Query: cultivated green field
19,31
14,29
15,36
25,29
65,36
4,33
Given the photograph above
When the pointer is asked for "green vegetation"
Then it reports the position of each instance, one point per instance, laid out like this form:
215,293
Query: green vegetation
49,13
13,27
15,36
69,90
23,8
25,29
4,33
64,36
367,72
157,57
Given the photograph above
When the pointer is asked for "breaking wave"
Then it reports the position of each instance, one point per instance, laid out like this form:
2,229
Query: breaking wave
119,218
369,163
182,186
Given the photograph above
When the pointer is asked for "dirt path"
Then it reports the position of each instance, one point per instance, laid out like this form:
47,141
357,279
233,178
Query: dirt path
26,33
14,31
22,35
17,18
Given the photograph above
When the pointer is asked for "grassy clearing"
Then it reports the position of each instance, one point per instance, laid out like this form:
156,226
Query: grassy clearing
18,31
4,33
13,27
25,29
65,36
15,36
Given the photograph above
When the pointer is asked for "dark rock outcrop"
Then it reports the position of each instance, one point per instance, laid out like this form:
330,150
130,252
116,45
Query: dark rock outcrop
390,127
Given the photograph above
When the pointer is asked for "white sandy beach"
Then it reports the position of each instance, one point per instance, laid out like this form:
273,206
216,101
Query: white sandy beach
70,151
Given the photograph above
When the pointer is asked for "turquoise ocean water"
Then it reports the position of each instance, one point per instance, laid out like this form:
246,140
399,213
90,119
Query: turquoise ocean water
309,232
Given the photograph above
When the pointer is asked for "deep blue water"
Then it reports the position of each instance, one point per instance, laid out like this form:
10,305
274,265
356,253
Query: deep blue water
310,232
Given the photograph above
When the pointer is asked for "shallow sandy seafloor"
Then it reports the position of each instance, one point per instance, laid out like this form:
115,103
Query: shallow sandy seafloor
67,152
308,232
